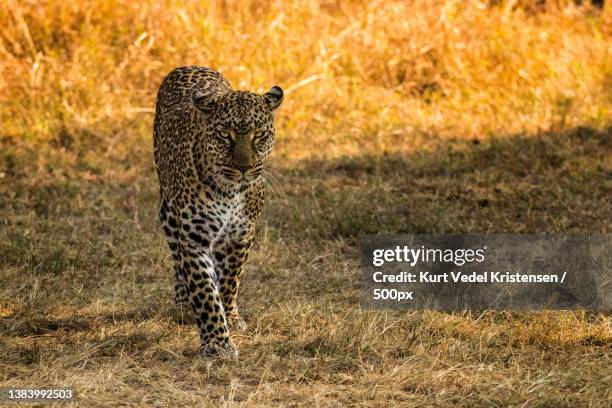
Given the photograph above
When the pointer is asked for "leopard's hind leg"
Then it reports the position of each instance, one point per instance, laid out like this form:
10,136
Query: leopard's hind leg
170,227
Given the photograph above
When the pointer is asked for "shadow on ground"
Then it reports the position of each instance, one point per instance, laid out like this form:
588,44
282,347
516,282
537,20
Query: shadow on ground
546,183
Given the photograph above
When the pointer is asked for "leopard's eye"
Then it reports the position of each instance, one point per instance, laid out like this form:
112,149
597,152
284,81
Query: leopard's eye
224,135
259,134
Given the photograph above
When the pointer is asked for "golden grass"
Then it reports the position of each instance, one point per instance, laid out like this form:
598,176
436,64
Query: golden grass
400,116
379,68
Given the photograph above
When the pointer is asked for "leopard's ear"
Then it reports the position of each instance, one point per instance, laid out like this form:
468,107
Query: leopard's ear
274,97
206,102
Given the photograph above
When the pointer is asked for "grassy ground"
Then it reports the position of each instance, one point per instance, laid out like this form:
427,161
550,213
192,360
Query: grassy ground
86,286
452,119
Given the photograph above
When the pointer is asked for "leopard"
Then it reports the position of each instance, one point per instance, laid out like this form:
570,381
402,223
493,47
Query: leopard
211,143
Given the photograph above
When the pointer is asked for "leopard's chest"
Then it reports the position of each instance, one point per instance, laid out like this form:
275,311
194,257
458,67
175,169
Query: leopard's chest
228,219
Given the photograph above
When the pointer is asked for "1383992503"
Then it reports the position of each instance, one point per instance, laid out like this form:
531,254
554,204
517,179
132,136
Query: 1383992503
33,394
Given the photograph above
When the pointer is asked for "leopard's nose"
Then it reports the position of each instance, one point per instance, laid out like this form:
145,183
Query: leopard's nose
243,167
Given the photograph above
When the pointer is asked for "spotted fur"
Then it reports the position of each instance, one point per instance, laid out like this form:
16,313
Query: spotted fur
210,146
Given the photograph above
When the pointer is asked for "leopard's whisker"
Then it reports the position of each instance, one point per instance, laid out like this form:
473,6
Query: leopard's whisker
277,193
272,186
276,175
269,187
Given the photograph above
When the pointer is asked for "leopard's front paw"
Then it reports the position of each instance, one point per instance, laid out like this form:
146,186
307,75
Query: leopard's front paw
217,348
235,322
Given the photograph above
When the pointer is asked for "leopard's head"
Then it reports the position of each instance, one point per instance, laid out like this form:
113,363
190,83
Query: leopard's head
239,132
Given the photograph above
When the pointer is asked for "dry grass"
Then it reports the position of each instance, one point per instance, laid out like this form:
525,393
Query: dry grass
413,117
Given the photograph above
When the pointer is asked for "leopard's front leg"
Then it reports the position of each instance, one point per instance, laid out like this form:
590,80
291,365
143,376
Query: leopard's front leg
201,283
229,264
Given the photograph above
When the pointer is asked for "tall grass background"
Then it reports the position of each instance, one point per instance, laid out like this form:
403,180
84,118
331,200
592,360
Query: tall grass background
373,75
